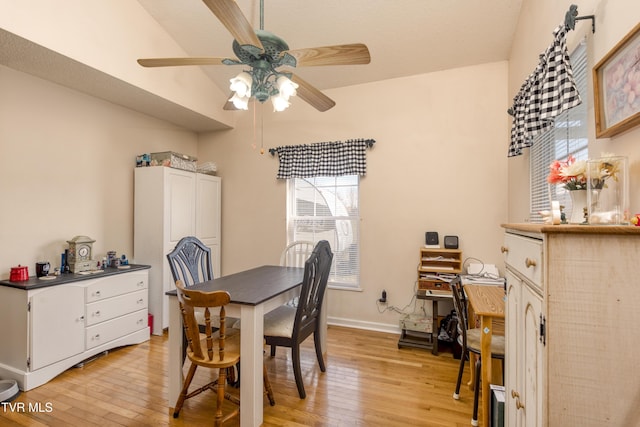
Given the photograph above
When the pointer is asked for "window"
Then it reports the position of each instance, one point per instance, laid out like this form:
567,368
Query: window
327,208
567,137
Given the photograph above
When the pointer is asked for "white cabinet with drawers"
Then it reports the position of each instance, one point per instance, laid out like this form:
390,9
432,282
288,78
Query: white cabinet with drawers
571,311
51,326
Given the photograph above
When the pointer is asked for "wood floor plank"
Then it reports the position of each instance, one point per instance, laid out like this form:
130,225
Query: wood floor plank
369,382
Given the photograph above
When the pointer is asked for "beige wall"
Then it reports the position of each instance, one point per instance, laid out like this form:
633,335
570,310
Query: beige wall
66,168
538,19
439,164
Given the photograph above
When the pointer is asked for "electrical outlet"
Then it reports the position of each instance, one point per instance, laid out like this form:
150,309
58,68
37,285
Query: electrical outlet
383,298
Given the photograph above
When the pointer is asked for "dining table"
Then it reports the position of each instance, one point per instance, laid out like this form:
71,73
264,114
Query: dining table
254,293
487,303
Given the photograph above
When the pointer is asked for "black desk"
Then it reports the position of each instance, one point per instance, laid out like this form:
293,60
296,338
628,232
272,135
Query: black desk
253,293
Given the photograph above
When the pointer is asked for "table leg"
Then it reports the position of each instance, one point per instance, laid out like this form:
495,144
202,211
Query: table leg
175,352
434,334
251,361
485,355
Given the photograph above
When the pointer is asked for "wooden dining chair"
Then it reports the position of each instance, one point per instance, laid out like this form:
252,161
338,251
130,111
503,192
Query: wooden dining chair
469,340
288,326
295,254
190,262
215,350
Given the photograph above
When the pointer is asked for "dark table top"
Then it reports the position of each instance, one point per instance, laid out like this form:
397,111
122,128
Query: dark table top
36,283
254,286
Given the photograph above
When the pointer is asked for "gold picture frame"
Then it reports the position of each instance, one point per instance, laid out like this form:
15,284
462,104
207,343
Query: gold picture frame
616,104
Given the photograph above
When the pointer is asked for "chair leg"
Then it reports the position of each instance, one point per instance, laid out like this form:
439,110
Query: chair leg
222,379
273,350
476,393
185,389
463,356
295,358
267,385
316,341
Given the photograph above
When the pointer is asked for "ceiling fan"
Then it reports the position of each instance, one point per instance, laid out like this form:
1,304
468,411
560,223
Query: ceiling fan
266,54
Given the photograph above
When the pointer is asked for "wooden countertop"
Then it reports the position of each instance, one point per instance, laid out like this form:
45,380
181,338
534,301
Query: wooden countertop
572,229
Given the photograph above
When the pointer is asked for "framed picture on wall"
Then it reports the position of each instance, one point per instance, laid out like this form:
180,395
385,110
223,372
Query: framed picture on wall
616,80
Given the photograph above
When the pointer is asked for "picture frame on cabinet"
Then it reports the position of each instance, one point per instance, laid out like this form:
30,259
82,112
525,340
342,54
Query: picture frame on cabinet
615,76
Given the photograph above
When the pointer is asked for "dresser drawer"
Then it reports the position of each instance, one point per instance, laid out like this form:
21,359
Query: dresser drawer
524,255
119,284
111,308
116,328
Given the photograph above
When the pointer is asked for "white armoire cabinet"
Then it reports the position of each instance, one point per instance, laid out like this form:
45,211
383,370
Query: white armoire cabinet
171,204
571,315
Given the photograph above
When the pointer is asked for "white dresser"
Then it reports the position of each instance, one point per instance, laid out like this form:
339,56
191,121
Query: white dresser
571,315
171,204
50,326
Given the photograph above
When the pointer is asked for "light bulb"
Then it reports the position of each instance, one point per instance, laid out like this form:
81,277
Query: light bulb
241,84
286,87
280,103
240,102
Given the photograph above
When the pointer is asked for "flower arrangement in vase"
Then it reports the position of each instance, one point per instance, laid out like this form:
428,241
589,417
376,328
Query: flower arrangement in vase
572,175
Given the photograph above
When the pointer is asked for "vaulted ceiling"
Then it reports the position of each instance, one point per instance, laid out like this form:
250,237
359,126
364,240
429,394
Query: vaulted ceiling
405,37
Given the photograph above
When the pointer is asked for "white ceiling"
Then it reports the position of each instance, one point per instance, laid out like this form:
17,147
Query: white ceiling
405,37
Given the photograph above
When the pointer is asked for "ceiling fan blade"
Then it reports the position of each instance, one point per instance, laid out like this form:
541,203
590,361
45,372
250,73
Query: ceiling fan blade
344,54
311,95
173,62
229,14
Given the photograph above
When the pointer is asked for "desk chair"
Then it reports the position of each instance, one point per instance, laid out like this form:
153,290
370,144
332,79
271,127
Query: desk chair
288,326
469,340
216,350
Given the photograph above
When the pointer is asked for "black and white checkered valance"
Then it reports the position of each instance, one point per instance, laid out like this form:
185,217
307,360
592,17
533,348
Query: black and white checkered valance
323,159
548,91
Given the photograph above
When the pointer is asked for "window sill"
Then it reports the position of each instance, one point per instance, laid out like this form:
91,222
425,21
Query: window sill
345,288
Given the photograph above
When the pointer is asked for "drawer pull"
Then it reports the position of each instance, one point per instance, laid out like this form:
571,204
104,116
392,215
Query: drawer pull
530,262
141,301
97,313
516,395
96,337
504,249
141,284
96,294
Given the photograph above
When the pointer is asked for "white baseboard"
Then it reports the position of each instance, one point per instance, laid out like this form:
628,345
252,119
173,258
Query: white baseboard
370,326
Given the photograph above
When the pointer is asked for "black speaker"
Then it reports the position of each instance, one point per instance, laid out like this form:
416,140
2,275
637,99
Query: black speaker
451,242
431,238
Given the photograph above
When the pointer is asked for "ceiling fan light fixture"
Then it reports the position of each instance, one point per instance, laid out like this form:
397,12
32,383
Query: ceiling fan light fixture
240,102
286,87
280,103
241,84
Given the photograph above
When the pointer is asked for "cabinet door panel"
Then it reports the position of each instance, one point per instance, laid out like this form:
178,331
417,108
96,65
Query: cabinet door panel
208,208
181,193
57,324
532,354
512,355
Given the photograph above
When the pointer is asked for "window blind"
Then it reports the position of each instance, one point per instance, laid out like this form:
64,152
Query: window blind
567,137
327,208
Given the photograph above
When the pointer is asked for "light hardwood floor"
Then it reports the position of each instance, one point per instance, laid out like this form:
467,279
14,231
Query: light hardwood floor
368,382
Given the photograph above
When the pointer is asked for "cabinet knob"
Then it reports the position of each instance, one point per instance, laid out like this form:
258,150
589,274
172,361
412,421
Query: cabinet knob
504,249
530,262
516,396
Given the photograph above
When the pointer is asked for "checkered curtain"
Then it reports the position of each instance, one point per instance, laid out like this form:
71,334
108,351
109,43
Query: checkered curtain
323,159
547,92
